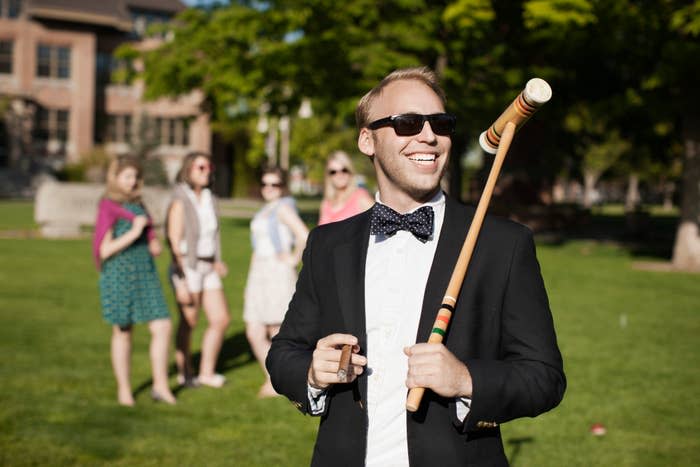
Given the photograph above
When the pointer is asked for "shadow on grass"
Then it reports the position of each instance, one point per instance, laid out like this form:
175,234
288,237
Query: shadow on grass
102,444
640,234
517,444
235,352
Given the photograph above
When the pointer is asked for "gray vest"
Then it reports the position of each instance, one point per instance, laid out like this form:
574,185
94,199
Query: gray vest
192,226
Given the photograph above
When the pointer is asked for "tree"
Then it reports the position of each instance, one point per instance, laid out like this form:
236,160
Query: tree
236,56
622,75
273,55
681,69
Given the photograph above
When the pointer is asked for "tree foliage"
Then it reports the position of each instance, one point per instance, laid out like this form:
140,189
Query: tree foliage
617,67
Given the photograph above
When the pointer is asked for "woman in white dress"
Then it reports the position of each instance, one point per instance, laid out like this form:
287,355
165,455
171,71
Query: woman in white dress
278,235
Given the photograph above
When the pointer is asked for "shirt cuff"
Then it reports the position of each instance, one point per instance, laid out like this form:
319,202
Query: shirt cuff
463,406
317,400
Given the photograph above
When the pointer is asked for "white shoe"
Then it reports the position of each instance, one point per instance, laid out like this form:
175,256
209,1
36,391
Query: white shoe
215,381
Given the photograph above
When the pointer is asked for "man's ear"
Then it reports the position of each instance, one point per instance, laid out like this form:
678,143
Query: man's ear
365,142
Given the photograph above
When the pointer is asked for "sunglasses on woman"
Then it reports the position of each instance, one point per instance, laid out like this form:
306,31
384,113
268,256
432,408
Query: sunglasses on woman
204,167
344,170
273,185
411,124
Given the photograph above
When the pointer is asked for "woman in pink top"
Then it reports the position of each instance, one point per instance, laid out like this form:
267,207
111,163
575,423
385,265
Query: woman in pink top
342,198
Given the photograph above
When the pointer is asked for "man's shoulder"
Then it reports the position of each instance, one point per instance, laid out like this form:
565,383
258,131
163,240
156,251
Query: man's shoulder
493,223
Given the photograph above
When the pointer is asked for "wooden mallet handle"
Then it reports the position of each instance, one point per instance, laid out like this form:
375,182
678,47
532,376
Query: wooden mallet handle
495,140
442,321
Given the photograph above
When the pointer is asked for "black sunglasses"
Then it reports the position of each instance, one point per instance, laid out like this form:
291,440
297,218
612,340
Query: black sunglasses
274,185
344,170
411,124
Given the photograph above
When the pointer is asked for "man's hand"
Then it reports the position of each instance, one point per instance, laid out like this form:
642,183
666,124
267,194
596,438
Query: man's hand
433,366
323,371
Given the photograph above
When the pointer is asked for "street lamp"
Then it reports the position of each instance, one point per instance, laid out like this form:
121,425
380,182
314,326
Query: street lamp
284,125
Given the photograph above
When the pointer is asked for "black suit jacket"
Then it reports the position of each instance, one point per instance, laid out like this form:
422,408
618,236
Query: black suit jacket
502,330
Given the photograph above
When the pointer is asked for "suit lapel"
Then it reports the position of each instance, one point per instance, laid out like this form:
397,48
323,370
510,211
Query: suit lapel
349,264
349,260
452,235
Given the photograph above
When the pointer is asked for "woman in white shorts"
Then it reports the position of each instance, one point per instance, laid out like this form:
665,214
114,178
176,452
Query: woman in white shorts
279,237
192,230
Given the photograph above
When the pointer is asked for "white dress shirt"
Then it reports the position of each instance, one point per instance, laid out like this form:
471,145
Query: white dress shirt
396,274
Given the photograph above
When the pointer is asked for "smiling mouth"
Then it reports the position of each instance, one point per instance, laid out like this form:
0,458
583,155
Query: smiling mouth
422,158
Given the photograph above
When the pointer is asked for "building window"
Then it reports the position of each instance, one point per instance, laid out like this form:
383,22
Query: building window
52,125
185,132
62,125
13,8
111,129
10,8
118,129
172,132
150,130
127,128
103,67
176,132
4,145
157,130
165,131
6,57
143,19
53,61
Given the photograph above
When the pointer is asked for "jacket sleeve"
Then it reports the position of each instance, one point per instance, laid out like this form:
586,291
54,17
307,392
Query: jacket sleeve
528,378
290,355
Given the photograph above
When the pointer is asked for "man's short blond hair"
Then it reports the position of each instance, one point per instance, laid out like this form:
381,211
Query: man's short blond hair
422,74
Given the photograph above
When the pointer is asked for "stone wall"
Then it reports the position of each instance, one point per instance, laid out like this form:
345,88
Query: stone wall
61,209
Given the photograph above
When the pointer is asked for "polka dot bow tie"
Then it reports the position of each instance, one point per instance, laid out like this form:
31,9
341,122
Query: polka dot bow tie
386,221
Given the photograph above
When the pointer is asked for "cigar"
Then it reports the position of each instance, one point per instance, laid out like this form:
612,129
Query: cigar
344,367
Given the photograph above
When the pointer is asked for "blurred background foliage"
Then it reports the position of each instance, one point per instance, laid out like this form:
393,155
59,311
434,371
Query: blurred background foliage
624,76
621,73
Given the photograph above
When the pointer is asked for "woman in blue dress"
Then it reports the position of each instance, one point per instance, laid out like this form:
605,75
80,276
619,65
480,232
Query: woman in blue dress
130,291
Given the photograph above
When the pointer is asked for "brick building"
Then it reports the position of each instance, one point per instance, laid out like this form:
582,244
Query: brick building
57,98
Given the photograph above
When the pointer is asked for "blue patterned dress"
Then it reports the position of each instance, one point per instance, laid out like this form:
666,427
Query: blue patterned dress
130,289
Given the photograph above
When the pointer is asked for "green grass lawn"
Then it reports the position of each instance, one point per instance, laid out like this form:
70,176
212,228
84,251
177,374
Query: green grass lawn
16,215
629,340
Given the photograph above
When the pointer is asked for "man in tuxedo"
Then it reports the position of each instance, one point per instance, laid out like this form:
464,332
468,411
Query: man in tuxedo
375,281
